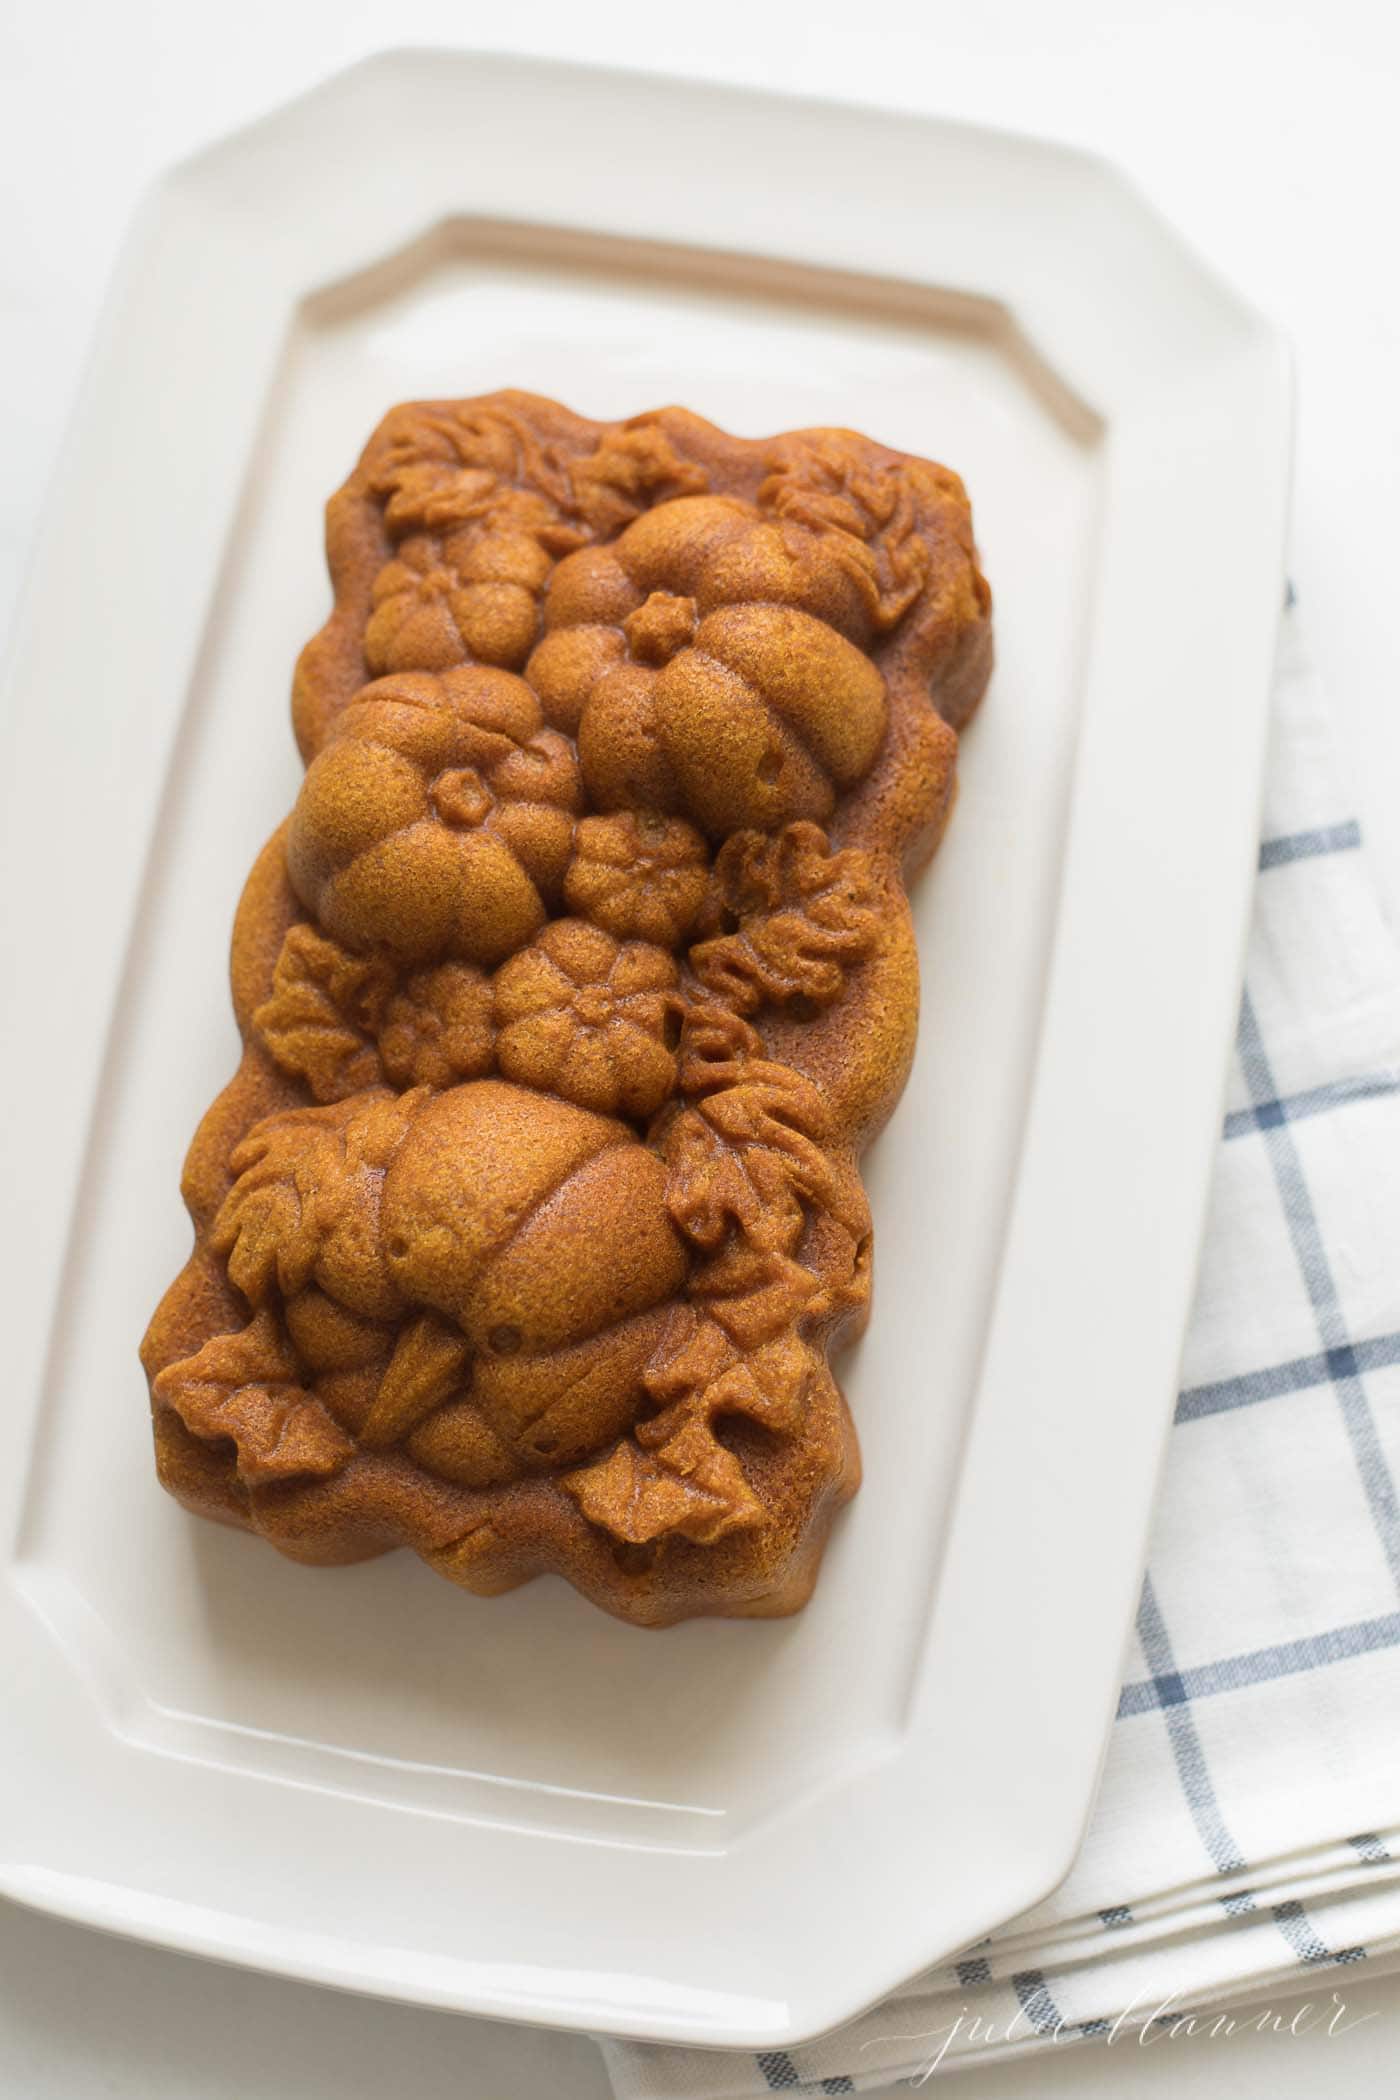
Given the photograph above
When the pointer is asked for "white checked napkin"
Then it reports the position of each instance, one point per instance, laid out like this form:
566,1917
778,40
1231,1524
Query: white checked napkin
1248,1826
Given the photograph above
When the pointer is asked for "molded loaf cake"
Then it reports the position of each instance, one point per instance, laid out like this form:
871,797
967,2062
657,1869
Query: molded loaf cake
570,992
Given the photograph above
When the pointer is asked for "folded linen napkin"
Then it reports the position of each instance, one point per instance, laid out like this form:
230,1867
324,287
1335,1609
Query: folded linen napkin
1248,1825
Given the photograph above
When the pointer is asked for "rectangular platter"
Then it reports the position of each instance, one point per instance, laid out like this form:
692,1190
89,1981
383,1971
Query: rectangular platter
518,1806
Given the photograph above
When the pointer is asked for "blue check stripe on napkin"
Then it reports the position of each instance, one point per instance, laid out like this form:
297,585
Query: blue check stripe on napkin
1340,1364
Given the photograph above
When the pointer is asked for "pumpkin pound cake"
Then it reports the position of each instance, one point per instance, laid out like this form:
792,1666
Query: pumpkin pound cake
570,991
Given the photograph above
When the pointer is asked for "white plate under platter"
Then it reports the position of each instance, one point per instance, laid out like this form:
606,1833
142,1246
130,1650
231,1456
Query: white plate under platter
729,1833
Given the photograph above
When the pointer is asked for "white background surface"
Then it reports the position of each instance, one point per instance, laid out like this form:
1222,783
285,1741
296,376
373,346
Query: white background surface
1268,132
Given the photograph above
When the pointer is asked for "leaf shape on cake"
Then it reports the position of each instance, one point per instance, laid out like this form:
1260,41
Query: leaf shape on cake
244,1387
318,1018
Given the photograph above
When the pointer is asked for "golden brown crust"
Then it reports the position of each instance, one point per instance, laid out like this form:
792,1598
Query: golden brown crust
570,991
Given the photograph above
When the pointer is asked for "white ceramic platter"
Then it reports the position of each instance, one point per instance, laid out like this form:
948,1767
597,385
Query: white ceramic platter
726,1833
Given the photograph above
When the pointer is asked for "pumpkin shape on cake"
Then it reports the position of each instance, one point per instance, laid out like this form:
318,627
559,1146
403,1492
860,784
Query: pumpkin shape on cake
541,1232
697,677
638,875
481,1274
591,1019
468,599
438,820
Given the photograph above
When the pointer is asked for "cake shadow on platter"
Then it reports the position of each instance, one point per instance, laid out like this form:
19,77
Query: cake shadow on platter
570,992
